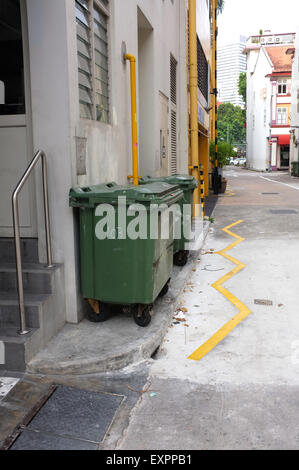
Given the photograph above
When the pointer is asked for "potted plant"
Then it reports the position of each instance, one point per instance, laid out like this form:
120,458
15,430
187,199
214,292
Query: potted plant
224,152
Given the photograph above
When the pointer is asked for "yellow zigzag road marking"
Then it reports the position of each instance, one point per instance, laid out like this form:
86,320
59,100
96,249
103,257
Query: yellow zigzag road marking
243,310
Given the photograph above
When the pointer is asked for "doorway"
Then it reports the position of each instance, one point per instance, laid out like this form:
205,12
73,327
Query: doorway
15,118
284,156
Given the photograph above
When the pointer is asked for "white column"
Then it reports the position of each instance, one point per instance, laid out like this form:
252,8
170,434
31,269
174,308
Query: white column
273,154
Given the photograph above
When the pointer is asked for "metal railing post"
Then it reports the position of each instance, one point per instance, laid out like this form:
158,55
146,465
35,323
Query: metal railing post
16,223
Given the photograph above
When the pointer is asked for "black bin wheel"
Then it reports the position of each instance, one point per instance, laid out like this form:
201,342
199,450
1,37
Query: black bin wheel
164,290
103,315
142,315
180,258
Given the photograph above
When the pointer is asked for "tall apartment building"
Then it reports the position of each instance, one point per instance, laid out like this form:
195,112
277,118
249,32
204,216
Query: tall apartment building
231,62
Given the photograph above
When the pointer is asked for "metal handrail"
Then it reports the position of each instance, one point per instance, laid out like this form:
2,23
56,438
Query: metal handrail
16,223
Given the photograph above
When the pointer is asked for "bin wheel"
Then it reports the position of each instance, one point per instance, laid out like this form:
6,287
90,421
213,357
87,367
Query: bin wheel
142,315
164,290
98,311
180,258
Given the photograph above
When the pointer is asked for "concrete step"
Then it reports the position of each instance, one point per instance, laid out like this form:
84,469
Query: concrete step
36,278
29,248
17,349
44,310
9,310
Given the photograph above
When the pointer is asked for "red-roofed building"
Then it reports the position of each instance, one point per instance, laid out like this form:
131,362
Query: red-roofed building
269,78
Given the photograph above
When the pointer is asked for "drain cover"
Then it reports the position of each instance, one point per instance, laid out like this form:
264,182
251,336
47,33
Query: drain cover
270,193
69,419
283,211
263,302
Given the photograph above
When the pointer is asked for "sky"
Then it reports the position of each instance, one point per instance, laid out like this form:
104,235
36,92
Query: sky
247,17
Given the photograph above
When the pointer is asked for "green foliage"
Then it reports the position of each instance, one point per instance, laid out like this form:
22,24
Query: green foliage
224,152
242,85
231,121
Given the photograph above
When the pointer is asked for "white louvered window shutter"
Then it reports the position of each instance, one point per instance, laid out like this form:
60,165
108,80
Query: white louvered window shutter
92,45
173,115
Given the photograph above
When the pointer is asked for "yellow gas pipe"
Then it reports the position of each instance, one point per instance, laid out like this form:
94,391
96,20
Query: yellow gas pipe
132,60
193,78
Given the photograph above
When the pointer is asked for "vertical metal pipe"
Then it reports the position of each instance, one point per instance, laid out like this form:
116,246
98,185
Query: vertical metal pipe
23,330
132,60
216,84
46,209
215,93
193,79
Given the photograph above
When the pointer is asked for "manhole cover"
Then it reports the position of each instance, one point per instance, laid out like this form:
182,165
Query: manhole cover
263,302
283,211
68,418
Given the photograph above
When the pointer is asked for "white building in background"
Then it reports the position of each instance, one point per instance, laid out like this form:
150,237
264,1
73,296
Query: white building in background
269,78
231,62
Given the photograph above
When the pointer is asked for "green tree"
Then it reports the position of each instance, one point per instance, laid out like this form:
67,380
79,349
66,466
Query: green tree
224,152
231,120
242,85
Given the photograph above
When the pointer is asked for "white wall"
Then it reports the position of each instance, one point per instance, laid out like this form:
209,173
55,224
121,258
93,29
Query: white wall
51,130
258,102
55,105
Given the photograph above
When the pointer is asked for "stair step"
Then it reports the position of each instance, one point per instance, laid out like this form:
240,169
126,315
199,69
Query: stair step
29,249
9,309
44,310
36,278
15,348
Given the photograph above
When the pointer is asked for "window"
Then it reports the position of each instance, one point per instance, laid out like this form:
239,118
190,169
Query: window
282,86
202,71
92,44
282,116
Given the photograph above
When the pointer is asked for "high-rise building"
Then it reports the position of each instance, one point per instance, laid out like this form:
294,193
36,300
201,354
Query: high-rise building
231,62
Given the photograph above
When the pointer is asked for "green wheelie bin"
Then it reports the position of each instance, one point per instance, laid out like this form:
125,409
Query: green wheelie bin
187,184
120,265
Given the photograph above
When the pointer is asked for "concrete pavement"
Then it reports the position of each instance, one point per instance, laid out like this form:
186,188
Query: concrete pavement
244,393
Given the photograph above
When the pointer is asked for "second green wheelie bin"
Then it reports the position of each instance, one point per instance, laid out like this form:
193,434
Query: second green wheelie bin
117,268
187,184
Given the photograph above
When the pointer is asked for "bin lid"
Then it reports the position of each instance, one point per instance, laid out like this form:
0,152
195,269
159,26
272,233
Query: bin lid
152,193
182,180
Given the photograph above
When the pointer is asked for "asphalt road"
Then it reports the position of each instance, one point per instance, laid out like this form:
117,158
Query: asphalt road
243,393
